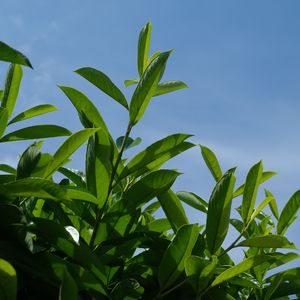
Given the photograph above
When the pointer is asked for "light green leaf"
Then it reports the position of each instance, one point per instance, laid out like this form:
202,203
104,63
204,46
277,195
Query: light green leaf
3,120
218,214
172,264
211,162
260,207
130,82
267,241
245,265
173,209
7,169
143,48
74,175
1,94
12,55
272,204
68,148
193,200
252,183
33,112
146,87
153,56
81,194
8,281
11,89
169,87
288,213
68,289
36,132
103,82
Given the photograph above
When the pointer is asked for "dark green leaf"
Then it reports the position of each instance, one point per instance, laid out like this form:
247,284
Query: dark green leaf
104,83
8,281
267,241
129,142
76,176
193,200
68,288
169,87
143,48
7,169
3,120
127,289
211,162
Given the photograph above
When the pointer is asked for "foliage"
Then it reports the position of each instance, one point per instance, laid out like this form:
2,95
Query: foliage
95,234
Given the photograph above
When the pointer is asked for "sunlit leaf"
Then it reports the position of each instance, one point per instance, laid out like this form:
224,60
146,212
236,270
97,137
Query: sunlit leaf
193,200
8,281
169,87
267,241
211,162
3,120
130,82
143,47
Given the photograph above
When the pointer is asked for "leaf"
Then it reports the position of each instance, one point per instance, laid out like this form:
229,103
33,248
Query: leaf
103,82
33,112
81,194
146,87
169,87
73,175
260,207
272,204
153,56
143,48
68,148
68,288
245,265
3,120
36,132
252,183
127,289
288,213
130,82
218,214
172,264
267,241
193,200
156,154
11,89
7,168
173,209
8,280
129,142
211,162
12,55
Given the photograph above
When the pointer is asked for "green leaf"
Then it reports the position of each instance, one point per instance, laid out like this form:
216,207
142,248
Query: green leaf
81,194
218,214
245,265
7,168
36,132
260,207
153,56
173,209
11,89
130,82
169,87
9,54
33,112
172,264
129,142
288,213
74,175
211,162
193,200
3,120
68,148
156,154
103,82
143,48
272,204
146,87
252,183
127,289
8,281
68,288
267,241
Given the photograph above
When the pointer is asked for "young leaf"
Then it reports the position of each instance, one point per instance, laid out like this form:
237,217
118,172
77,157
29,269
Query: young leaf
193,200
11,90
130,82
68,288
8,281
9,54
253,180
272,204
288,213
68,148
218,214
267,241
143,48
172,264
103,82
3,120
211,162
169,87
33,112
260,207
36,132
146,87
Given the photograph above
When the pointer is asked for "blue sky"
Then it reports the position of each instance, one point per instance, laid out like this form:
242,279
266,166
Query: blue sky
241,60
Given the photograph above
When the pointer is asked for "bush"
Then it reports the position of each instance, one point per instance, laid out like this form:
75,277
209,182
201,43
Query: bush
95,234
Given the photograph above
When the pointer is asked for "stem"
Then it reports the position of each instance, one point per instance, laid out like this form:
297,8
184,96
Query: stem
100,211
232,244
171,289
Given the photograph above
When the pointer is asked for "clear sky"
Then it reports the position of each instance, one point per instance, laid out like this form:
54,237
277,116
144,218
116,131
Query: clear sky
241,60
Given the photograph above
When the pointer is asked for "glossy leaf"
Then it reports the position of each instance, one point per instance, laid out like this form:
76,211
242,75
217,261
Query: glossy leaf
252,183
218,214
103,82
169,87
193,200
146,87
8,281
7,169
3,120
81,194
211,162
173,209
143,47
272,204
12,55
260,207
153,56
36,132
288,213
33,112
67,149
74,175
130,82
68,288
267,241
11,89
172,264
